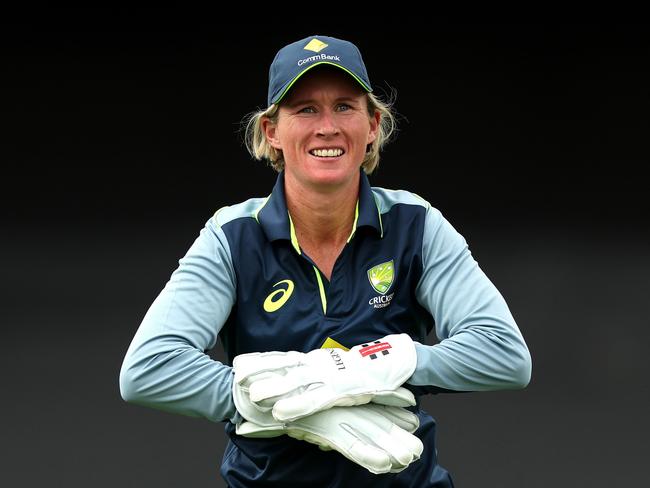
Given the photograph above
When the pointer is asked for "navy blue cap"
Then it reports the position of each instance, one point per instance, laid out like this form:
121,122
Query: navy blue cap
295,59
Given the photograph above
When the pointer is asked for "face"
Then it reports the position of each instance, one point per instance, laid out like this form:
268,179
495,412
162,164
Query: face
323,129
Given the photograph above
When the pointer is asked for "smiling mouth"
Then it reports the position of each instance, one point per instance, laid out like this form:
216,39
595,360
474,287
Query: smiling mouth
327,153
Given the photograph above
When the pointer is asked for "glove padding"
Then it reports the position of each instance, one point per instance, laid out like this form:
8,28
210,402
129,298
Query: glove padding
296,384
377,437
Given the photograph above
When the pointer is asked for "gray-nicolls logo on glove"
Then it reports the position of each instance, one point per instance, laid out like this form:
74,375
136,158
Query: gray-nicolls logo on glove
374,348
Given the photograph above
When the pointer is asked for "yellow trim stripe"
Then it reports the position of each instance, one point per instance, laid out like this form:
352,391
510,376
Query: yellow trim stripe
261,207
321,288
284,92
381,224
294,238
354,225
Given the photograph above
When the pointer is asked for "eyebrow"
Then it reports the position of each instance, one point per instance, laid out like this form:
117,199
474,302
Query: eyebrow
307,101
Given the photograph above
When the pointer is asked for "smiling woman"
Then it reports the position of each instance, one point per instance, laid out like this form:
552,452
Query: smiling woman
322,132
322,129
260,148
323,295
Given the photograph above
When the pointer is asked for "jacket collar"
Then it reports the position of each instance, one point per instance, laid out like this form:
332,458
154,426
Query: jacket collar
275,220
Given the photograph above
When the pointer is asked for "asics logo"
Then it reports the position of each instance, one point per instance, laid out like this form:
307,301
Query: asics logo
276,299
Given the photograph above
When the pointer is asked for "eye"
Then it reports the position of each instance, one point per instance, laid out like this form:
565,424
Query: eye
307,110
343,107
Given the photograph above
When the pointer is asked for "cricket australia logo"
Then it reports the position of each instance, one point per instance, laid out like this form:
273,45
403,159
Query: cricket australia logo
381,279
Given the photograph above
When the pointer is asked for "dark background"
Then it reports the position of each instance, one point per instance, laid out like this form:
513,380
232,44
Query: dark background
120,139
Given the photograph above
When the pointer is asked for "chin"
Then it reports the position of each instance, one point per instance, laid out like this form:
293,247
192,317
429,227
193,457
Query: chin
332,177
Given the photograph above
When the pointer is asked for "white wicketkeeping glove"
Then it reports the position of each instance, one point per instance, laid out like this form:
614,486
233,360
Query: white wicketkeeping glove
296,384
377,437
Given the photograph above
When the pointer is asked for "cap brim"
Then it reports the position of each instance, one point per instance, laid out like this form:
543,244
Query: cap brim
288,86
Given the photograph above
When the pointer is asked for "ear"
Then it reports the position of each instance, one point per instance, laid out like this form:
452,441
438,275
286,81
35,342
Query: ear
271,132
374,127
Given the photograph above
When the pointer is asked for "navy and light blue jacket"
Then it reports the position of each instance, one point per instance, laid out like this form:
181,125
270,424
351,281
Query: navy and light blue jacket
246,280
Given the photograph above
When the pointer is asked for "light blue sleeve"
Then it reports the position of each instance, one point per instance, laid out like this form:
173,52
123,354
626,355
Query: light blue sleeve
165,366
481,347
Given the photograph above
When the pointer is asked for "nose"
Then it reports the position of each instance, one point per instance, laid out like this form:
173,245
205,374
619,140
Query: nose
327,125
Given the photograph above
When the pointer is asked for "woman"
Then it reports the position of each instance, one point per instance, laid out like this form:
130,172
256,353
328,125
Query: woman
325,263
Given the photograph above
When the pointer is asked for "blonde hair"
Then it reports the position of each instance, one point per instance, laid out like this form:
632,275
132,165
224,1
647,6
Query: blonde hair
259,147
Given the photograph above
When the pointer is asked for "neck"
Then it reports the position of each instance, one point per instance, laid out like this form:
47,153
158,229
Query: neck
322,217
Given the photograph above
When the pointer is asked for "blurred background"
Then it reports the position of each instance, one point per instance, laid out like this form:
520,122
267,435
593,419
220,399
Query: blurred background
121,139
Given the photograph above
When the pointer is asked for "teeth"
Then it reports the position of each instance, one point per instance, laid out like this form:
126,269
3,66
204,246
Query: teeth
329,153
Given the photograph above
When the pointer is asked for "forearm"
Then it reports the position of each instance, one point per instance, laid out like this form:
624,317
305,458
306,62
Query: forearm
473,361
170,375
481,347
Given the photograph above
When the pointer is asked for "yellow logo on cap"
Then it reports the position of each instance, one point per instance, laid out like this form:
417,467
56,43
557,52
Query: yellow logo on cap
315,45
